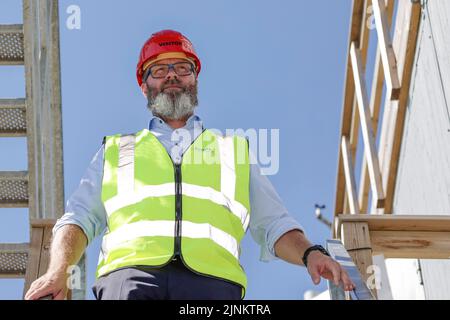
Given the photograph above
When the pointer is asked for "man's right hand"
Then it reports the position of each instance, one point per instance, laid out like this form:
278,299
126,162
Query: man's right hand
51,283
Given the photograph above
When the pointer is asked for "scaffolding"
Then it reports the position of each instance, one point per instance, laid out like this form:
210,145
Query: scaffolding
366,230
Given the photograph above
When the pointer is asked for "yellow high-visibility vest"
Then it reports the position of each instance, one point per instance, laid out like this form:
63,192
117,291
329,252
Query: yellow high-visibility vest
199,209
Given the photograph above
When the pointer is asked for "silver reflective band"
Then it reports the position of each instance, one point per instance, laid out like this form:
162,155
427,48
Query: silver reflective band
217,197
168,189
227,169
140,229
136,230
124,200
207,231
125,170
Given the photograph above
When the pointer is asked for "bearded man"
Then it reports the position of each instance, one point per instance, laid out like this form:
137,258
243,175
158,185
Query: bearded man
174,211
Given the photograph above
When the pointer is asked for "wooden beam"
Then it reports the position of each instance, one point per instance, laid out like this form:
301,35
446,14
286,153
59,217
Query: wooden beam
39,253
407,60
34,256
376,94
45,250
399,222
350,181
411,244
364,47
386,49
356,240
366,127
349,94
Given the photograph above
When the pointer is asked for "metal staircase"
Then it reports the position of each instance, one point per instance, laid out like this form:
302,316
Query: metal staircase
35,45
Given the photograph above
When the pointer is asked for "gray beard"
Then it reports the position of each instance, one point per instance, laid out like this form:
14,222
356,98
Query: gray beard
175,106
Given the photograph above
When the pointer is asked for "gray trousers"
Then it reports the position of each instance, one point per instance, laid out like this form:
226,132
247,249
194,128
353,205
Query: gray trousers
171,282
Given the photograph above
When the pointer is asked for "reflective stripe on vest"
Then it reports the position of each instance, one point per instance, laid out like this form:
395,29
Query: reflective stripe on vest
139,194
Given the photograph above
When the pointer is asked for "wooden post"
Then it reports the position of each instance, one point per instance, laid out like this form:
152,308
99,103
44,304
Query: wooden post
39,253
356,239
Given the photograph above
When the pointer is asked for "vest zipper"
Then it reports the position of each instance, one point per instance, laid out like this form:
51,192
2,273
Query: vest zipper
178,216
178,212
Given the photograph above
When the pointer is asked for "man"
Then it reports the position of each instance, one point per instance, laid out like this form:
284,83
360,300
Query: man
175,210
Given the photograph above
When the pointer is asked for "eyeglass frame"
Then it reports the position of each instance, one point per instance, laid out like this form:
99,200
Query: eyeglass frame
171,67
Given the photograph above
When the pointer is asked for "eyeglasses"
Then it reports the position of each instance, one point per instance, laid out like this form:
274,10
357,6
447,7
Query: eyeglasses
159,71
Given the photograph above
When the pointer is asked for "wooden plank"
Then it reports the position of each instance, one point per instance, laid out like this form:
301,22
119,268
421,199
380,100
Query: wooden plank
43,223
407,61
45,251
376,94
411,244
356,239
349,94
386,49
366,127
400,222
350,181
364,47
34,257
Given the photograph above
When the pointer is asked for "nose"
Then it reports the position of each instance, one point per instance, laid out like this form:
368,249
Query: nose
171,72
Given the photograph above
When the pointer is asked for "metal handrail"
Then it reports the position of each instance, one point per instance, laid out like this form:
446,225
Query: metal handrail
340,254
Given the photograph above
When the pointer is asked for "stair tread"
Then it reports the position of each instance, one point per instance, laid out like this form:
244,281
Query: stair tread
14,189
13,120
13,260
11,45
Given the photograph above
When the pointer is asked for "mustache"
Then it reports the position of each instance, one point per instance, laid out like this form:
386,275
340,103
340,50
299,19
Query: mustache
172,82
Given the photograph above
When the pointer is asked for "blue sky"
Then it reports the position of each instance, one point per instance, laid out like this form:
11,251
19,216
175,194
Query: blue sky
266,65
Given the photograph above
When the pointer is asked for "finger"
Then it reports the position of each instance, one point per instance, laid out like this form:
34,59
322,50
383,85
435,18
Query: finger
41,292
315,276
348,283
33,288
30,290
335,270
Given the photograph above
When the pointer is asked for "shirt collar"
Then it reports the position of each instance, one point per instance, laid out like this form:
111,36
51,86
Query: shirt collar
158,124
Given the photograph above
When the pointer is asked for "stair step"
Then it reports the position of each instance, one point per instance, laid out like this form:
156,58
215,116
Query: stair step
11,44
13,119
14,189
13,260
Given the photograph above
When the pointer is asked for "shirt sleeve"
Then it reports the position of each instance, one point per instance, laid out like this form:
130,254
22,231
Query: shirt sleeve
85,207
269,219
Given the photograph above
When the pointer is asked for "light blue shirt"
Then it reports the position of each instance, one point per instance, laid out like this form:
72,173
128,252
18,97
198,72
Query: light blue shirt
269,219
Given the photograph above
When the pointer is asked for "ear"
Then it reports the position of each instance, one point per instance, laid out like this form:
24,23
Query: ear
144,89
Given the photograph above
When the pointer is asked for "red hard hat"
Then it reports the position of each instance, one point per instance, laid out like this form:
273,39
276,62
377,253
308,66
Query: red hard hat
165,41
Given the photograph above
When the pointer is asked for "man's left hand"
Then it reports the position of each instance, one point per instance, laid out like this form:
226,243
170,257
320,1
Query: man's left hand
320,265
